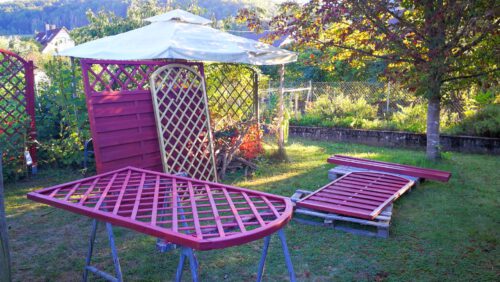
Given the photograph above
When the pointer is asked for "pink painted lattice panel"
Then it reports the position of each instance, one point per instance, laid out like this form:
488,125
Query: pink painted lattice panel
17,102
198,214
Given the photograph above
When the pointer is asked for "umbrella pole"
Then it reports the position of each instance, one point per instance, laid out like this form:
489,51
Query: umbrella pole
281,111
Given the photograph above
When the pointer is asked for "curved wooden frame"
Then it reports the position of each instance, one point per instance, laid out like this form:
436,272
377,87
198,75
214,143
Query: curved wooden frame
69,196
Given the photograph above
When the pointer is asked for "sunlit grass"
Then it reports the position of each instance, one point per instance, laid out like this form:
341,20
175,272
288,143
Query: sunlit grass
440,232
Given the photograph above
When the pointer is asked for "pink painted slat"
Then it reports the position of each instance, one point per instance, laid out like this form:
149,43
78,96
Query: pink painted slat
155,200
426,173
122,193
194,210
105,192
233,209
92,186
138,196
215,212
175,224
70,193
271,206
254,209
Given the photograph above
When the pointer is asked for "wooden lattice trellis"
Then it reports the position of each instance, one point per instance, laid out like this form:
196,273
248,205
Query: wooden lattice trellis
17,103
183,122
232,92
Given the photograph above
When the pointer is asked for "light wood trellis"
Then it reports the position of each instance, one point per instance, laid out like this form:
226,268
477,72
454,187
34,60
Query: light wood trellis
17,103
183,122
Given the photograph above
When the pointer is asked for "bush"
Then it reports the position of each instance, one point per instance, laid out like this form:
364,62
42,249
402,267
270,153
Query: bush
62,121
485,122
12,146
342,106
411,118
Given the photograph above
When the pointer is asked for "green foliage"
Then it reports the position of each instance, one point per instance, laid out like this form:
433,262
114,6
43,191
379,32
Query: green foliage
12,147
342,106
411,118
486,122
62,121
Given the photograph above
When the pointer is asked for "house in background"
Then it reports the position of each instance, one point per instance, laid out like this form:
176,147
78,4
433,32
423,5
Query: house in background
54,39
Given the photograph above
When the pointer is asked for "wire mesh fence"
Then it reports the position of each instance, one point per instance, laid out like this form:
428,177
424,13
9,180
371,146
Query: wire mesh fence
359,104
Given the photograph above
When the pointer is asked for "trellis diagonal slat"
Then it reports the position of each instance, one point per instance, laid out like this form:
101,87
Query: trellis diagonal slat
211,216
17,103
183,121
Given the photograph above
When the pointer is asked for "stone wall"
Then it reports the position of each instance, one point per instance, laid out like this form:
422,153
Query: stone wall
465,144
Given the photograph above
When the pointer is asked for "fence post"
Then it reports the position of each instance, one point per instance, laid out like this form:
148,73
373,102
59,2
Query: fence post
296,105
5,271
309,92
256,96
388,97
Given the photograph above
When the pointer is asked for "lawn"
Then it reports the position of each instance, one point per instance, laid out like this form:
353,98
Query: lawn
439,232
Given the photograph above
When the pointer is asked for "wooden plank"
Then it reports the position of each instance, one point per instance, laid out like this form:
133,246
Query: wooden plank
426,173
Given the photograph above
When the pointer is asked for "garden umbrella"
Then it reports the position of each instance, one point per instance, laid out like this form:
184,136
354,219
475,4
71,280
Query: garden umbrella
181,35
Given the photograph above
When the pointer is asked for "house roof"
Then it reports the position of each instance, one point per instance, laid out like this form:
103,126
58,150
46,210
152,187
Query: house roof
45,37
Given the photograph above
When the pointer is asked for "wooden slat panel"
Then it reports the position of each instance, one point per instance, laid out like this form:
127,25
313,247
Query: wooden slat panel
358,194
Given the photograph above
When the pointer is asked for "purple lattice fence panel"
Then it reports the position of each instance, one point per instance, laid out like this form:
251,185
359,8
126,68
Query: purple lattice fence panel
17,100
121,114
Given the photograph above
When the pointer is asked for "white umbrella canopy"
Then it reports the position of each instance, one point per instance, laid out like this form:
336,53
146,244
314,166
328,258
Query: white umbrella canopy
181,35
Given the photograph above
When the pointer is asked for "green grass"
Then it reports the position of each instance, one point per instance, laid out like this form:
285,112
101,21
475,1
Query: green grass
439,232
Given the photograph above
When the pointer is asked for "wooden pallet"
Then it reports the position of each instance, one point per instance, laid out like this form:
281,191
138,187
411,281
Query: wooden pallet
357,226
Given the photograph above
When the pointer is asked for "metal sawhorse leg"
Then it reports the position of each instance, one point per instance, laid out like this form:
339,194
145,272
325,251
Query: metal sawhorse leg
288,260
193,263
114,254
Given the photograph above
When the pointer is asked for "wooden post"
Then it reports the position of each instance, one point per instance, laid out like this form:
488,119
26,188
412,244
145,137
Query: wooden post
5,272
388,98
309,92
281,113
296,105
256,95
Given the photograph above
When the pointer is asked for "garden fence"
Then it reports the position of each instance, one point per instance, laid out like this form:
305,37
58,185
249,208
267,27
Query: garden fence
386,98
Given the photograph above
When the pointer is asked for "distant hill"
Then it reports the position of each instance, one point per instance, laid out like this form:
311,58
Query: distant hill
28,16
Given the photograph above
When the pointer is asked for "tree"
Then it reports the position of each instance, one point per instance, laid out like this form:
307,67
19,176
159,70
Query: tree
426,44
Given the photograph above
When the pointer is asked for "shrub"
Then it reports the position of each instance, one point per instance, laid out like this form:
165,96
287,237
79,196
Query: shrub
485,122
342,106
411,118
62,121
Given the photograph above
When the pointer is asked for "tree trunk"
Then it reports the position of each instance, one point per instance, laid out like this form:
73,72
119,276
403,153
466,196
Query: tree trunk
5,271
434,71
433,117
